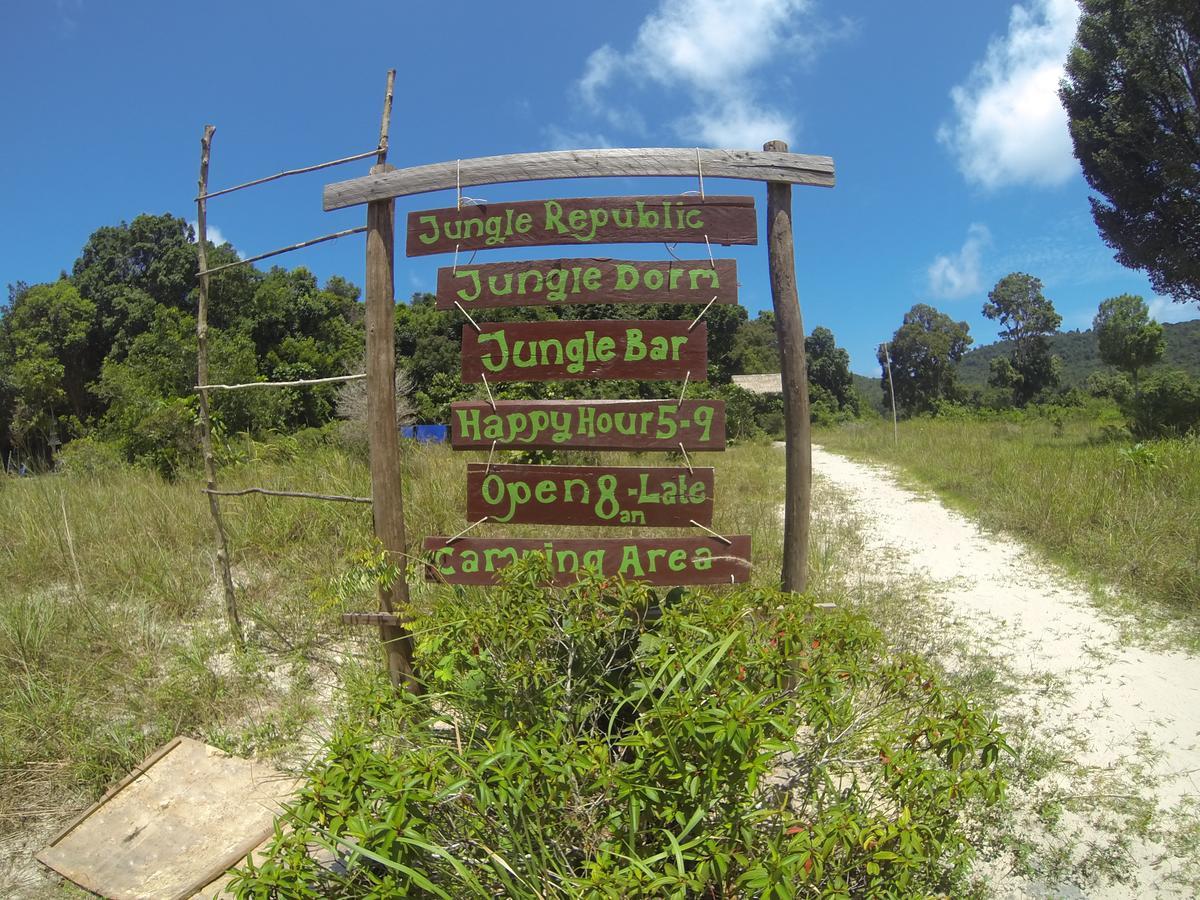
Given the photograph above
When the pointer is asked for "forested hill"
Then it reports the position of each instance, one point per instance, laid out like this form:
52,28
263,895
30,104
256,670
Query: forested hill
1081,357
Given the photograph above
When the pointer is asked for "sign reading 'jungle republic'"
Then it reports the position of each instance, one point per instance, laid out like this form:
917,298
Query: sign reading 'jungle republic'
549,282
666,561
571,350
589,220
588,424
590,495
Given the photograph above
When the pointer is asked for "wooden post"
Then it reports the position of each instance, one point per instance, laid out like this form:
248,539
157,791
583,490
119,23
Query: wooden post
892,386
789,328
387,499
210,465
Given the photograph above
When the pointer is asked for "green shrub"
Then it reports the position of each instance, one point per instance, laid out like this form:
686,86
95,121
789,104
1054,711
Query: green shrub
90,456
603,741
1169,403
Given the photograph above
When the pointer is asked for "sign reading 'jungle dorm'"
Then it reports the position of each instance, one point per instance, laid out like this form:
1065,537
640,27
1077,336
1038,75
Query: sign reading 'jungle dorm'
588,424
665,561
588,220
590,495
549,282
571,350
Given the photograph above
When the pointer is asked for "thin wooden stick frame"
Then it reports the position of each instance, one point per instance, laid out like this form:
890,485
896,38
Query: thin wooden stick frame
281,250
278,175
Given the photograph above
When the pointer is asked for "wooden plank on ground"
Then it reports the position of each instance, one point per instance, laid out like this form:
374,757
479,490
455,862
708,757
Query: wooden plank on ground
657,560
588,424
570,350
750,165
583,221
553,282
183,817
589,495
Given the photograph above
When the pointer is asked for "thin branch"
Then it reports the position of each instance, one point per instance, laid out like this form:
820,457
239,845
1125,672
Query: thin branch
299,246
254,384
304,494
324,165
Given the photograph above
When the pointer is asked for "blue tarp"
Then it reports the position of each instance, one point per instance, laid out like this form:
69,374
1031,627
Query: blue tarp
432,433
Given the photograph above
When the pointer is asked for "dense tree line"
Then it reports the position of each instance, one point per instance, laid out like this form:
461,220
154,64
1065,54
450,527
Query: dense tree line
109,350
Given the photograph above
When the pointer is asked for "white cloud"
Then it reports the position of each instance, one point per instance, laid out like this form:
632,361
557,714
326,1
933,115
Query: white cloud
565,139
960,275
1164,309
214,235
711,50
1009,126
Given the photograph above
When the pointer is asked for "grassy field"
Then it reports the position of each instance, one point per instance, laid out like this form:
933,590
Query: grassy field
112,637
1120,514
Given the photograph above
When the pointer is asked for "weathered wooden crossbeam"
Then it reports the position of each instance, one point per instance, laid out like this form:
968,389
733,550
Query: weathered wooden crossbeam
748,165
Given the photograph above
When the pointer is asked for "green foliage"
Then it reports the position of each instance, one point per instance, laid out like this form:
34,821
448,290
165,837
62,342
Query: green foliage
1168,404
1026,317
830,385
923,352
574,743
1128,339
1131,95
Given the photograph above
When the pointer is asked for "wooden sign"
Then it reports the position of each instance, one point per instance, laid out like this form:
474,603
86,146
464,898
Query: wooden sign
666,561
588,424
587,220
569,350
550,282
589,495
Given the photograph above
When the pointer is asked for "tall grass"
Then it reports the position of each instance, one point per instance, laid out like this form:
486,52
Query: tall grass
1122,514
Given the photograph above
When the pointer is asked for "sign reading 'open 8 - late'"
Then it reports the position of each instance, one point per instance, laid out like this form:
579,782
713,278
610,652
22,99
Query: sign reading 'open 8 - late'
567,350
589,220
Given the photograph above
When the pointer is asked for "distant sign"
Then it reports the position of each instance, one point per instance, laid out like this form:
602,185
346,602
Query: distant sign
553,282
588,424
571,350
590,495
588,220
665,561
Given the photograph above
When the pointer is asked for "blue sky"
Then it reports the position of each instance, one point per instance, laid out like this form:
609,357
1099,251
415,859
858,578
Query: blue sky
953,162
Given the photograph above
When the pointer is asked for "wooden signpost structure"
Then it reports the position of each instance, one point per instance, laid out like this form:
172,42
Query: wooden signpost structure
493,352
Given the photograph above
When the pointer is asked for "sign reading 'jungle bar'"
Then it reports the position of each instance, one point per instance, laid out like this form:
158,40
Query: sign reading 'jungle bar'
666,561
590,495
587,220
554,281
588,424
570,350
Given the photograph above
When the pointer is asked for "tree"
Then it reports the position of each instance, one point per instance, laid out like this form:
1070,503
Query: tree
1132,96
829,380
1026,317
1129,339
924,352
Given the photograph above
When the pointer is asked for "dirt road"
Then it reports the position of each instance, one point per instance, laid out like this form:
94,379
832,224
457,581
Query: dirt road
1107,731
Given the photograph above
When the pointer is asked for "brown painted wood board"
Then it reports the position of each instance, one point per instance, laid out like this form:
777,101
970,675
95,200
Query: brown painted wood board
583,221
572,350
656,560
588,424
183,817
659,496
616,162
553,282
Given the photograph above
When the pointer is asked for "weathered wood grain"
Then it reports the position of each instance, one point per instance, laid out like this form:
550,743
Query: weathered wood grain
583,221
659,496
570,350
664,561
751,165
588,424
553,282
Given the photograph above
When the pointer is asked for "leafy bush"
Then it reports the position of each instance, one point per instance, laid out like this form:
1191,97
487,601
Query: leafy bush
585,742
1169,403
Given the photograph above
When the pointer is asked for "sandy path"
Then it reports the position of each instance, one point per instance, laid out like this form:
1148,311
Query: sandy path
1131,714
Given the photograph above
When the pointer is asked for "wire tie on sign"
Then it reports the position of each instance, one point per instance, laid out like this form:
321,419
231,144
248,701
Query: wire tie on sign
451,540
696,321
454,265
683,390
487,387
474,324
670,248
700,173
686,461
719,537
712,262
458,186
491,453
